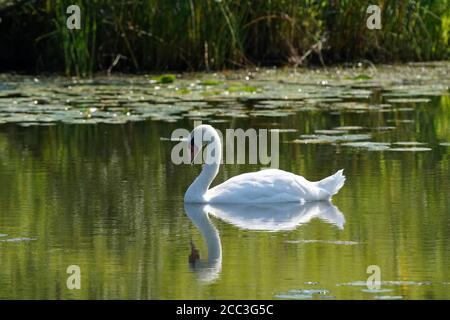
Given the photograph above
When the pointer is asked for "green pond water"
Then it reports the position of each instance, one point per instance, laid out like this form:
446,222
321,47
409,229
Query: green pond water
87,179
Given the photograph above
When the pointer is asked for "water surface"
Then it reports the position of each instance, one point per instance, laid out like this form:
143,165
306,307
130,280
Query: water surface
87,180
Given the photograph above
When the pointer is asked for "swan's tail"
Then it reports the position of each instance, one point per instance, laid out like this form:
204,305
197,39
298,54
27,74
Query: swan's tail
333,183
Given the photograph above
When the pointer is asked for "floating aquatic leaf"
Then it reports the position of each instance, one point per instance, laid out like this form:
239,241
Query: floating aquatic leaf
209,83
412,149
283,130
361,77
371,146
353,137
165,78
322,100
445,144
404,109
409,100
218,121
32,124
270,113
409,143
248,89
331,139
348,128
345,243
311,141
401,120
331,132
350,106
384,128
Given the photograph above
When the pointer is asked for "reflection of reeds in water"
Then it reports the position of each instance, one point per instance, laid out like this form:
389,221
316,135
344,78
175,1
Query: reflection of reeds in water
215,34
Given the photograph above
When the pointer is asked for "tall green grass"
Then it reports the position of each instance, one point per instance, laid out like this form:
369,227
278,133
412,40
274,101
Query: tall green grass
138,35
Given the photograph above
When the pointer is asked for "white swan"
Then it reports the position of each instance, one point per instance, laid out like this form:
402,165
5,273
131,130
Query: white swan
265,186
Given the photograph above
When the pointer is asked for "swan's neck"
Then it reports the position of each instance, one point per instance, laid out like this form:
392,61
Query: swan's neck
198,189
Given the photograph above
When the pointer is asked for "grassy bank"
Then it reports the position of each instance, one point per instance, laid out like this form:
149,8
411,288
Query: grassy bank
140,35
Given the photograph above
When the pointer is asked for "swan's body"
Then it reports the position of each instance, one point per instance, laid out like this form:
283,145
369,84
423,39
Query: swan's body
265,186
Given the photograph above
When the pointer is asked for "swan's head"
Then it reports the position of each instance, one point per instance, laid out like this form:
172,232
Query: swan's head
201,136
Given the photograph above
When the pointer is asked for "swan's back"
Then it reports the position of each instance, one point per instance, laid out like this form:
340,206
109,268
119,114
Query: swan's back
267,186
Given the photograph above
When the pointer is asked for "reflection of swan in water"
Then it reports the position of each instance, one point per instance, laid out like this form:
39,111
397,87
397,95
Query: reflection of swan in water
208,270
276,216
263,217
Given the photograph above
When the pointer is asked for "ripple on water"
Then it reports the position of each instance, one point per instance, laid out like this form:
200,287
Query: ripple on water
388,297
22,239
386,283
377,290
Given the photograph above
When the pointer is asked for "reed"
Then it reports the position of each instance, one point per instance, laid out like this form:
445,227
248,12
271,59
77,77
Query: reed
145,35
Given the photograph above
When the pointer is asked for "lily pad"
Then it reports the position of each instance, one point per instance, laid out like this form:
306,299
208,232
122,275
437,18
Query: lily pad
370,146
361,77
283,130
209,83
310,141
412,149
409,100
409,143
348,128
330,132
331,139
345,243
165,78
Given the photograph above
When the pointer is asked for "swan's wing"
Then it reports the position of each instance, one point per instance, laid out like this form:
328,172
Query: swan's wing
270,185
